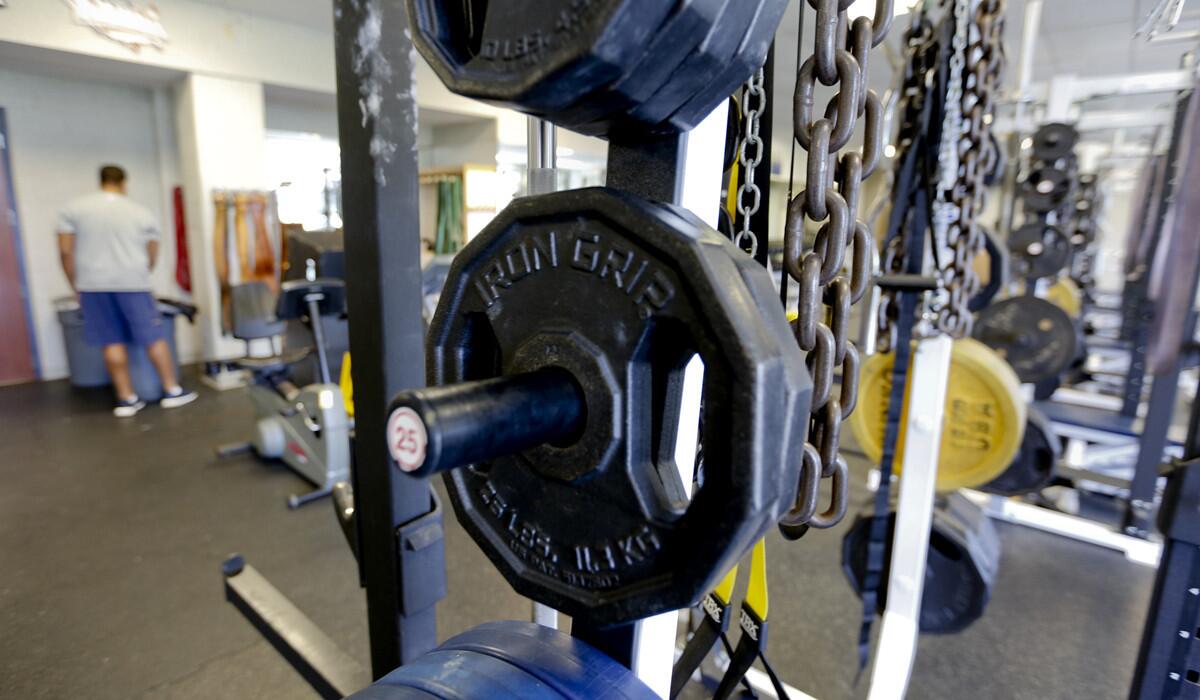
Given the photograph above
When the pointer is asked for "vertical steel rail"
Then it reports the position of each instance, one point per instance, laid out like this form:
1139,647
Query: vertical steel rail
1139,509
401,553
541,175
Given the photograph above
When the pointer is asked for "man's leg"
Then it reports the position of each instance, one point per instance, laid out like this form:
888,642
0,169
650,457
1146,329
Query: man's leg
148,330
105,327
164,364
117,362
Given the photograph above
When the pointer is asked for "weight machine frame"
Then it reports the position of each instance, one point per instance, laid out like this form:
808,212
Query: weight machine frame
393,524
1060,96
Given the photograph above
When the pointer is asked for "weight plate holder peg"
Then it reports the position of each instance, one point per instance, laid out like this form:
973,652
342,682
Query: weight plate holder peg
960,570
982,426
537,56
1039,250
1054,141
1036,337
556,363
1045,189
1033,469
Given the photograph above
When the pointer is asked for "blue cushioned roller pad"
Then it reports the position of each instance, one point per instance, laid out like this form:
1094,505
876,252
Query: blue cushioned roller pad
510,660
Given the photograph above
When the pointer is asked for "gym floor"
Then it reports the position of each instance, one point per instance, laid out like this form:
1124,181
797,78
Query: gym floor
113,533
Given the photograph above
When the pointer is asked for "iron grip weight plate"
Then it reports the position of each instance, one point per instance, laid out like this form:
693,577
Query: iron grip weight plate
598,279
532,54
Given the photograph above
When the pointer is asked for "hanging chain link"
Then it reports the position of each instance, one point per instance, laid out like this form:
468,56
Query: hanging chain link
945,209
829,200
969,112
919,60
976,158
754,101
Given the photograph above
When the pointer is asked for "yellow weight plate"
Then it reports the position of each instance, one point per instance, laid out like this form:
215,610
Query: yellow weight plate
1065,295
984,422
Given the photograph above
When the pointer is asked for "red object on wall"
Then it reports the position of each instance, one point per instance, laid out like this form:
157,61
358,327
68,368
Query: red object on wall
183,269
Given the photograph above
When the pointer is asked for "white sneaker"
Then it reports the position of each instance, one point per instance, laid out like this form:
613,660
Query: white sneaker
128,408
177,398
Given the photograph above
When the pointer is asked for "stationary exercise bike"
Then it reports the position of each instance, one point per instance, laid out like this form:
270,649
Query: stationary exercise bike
305,427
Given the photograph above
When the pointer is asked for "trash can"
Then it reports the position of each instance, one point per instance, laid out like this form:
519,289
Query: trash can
86,362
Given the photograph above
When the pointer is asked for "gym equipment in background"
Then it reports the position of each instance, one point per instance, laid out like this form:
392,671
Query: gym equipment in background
236,213
1033,468
984,421
964,556
1035,337
305,427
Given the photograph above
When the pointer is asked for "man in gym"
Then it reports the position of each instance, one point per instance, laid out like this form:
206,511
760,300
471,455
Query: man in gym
108,245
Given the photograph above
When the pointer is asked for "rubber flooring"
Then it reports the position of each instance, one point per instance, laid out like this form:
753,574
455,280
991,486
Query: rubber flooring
112,534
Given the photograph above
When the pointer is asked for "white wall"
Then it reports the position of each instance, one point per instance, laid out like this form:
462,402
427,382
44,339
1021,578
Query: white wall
453,145
311,115
222,140
61,132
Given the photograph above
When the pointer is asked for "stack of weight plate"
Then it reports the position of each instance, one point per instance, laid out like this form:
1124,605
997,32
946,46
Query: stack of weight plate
602,67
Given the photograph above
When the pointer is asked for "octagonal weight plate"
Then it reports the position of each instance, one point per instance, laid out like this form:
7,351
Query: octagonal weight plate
647,287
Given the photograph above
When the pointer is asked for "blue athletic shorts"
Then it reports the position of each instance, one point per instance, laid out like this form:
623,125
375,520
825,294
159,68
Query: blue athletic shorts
128,318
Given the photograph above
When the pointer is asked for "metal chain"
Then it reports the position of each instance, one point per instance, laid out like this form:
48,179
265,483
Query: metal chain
753,103
834,272
918,62
969,112
976,157
946,212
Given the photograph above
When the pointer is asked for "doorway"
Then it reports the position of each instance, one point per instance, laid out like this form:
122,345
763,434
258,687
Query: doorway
17,363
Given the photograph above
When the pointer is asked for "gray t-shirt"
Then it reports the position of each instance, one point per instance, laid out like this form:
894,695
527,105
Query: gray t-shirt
111,234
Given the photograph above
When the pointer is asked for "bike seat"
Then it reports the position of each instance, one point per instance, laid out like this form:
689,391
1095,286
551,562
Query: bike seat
273,363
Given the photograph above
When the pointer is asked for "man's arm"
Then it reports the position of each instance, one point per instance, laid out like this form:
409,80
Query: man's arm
153,234
66,253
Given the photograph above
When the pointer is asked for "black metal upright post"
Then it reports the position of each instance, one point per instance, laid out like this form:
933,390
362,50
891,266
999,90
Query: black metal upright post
1139,509
1168,663
1137,310
404,573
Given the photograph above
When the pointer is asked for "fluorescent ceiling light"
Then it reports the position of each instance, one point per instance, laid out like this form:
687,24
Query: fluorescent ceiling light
866,8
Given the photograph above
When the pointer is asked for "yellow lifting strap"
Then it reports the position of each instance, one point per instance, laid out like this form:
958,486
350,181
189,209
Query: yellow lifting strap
347,385
756,591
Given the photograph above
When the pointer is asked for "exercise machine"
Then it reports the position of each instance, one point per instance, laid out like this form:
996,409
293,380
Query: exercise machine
304,427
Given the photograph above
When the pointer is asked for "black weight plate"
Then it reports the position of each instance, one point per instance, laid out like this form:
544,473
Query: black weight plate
750,56
998,264
680,34
1045,189
707,62
1036,337
1054,141
536,56
1033,468
1039,250
964,553
604,533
